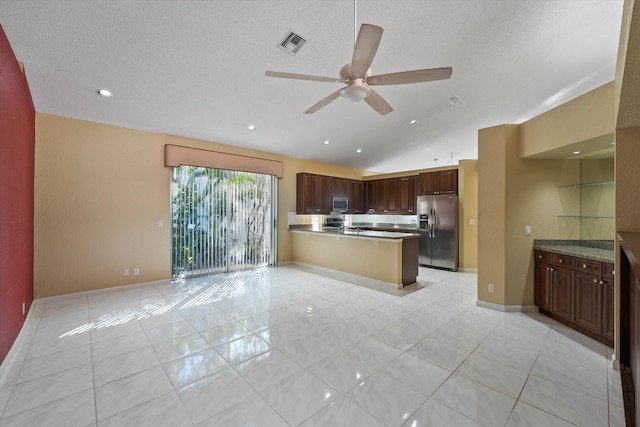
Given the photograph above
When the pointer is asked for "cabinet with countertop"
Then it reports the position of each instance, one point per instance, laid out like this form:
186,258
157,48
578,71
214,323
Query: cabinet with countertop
576,289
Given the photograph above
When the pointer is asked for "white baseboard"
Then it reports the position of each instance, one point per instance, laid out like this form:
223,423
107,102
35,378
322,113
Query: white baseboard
102,291
508,308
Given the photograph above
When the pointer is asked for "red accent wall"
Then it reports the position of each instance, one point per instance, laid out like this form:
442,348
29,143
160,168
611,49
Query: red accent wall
17,148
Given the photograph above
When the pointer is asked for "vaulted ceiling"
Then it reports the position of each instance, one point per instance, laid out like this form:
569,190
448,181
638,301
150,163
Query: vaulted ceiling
196,69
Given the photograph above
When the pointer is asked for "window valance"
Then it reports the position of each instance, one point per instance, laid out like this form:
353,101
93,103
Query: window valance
176,155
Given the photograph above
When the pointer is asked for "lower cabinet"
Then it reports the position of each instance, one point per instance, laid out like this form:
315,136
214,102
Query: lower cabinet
589,302
577,292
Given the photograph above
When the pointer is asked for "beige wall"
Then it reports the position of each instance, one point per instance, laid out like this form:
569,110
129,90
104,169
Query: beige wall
584,118
468,196
514,193
99,193
492,213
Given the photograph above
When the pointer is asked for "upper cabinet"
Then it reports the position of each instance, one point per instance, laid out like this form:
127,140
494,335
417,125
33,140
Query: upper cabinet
407,193
314,193
439,182
391,195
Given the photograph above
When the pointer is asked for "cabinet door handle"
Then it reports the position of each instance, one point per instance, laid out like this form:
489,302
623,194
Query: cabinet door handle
601,282
560,260
550,268
584,265
595,281
539,256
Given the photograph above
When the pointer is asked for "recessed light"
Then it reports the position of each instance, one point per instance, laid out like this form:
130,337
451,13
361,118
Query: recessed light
327,142
251,127
413,122
577,152
359,150
104,93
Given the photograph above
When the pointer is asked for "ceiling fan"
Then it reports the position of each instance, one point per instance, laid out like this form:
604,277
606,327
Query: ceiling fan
357,75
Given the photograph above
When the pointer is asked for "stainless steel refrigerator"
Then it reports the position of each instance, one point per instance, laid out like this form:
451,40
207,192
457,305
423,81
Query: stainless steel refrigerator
438,229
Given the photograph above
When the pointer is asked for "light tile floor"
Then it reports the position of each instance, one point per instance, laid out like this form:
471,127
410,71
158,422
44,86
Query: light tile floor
292,346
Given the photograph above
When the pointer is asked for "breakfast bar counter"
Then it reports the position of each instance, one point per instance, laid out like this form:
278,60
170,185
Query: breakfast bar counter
390,257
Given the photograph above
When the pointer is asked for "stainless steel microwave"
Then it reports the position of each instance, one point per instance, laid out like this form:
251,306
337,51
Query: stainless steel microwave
340,204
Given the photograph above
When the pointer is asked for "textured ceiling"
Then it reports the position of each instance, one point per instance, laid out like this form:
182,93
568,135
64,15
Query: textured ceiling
196,69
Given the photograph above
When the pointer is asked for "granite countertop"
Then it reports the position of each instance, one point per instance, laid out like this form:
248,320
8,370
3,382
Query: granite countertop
597,250
355,233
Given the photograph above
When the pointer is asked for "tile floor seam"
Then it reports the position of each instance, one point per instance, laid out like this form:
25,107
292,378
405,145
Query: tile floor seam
93,380
527,380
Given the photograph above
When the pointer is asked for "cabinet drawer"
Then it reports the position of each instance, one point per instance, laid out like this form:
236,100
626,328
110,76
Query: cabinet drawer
563,261
541,256
588,266
607,270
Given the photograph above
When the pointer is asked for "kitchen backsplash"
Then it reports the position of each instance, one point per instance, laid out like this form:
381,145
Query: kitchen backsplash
349,219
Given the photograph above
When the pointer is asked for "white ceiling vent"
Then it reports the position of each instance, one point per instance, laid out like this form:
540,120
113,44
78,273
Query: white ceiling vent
292,42
454,99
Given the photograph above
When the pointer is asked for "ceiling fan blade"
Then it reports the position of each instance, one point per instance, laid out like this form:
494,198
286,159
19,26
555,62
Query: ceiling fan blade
365,49
302,77
315,107
378,103
415,76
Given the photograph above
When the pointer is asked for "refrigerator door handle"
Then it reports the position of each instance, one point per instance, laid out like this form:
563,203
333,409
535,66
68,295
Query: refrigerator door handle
434,224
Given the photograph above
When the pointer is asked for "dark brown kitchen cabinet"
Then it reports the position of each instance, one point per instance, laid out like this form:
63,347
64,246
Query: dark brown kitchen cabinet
578,292
608,319
390,191
355,191
339,186
554,284
407,194
376,194
313,194
439,182
544,282
562,282
391,195
588,301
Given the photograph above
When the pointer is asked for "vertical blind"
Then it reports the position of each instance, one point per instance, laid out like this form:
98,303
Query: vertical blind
221,220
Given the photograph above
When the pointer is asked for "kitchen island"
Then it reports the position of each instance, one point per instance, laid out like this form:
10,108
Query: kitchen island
390,257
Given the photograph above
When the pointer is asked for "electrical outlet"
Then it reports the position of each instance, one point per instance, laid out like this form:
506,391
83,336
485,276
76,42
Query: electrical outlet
472,221
136,271
492,288
376,242
125,272
160,223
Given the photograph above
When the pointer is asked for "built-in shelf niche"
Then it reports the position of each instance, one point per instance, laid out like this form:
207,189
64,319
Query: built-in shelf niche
588,207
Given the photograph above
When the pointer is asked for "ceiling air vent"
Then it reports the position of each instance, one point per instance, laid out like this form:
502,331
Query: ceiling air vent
292,42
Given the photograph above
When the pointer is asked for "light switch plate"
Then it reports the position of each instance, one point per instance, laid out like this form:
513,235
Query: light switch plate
527,230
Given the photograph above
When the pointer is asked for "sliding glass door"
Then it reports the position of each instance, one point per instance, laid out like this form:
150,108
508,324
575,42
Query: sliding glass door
222,220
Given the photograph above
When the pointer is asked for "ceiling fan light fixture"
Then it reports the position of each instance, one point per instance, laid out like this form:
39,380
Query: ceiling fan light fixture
355,93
